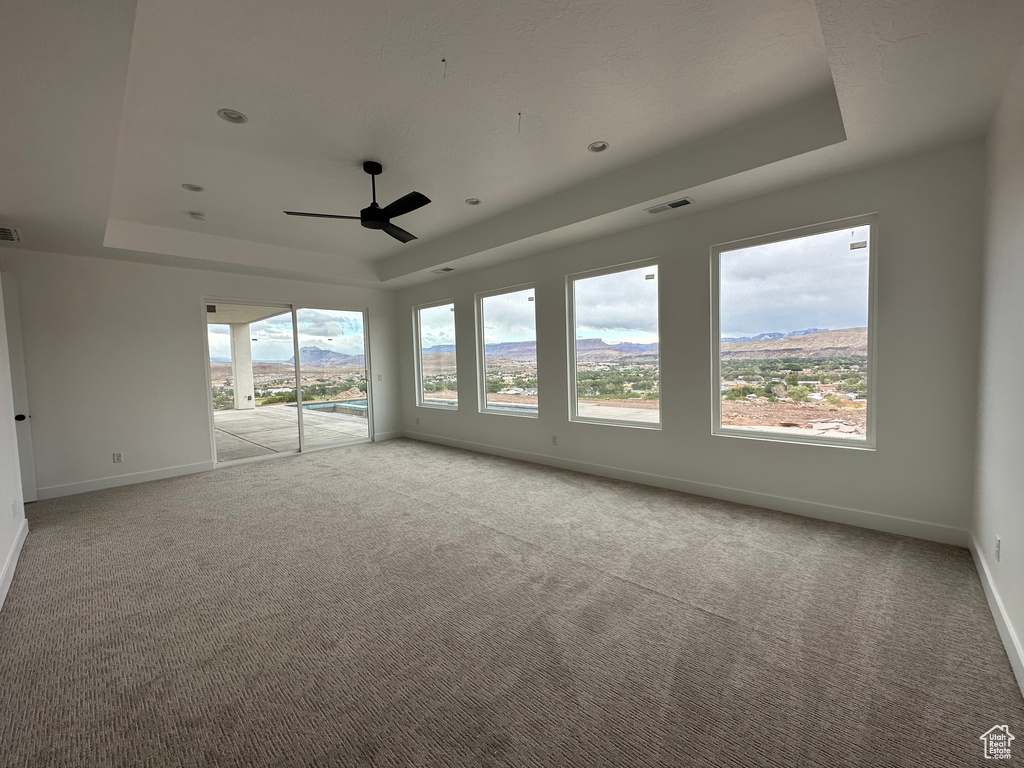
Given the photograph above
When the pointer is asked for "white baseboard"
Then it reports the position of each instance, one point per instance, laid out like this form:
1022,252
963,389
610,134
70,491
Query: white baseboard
53,491
380,436
1011,640
11,562
902,526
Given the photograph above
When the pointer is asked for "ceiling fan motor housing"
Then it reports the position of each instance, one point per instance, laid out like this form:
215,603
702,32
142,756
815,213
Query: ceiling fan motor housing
372,217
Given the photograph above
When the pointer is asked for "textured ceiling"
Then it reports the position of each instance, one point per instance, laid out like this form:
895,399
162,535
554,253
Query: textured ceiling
110,114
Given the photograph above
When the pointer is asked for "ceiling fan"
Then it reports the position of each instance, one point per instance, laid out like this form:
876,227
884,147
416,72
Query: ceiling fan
375,217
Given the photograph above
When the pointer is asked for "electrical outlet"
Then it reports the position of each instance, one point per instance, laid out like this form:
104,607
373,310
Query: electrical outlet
999,547
14,510
118,457
380,377
554,439
417,421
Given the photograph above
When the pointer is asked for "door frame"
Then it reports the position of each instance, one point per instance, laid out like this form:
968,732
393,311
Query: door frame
19,384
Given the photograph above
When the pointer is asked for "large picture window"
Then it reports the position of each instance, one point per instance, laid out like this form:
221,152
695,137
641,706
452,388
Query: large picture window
436,372
615,346
793,335
507,331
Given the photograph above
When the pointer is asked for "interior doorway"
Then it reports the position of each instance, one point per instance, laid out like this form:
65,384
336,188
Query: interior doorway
284,380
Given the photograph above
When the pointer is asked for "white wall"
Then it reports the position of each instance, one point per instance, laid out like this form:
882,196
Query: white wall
115,362
929,283
1000,472
12,509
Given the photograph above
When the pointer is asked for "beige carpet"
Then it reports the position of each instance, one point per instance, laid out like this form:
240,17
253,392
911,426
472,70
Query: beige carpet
402,604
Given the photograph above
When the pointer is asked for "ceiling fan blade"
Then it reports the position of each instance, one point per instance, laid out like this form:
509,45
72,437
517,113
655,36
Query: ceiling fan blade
406,204
399,234
320,215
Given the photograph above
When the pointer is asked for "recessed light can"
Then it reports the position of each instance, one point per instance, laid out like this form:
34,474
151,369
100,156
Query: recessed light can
197,215
193,187
472,201
597,146
232,116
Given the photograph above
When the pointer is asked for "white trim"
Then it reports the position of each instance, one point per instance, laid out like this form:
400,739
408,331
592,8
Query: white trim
481,350
1007,633
875,521
570,324
54,491
381,436
7,573
418,361
871,221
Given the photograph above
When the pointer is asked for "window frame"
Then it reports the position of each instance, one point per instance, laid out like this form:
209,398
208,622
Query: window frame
717,430
570,305
418,361
481,352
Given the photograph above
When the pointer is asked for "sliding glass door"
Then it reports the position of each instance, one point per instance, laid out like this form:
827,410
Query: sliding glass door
284,380
332,361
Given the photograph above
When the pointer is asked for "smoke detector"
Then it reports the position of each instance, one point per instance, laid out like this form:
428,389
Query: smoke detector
9,235
669,206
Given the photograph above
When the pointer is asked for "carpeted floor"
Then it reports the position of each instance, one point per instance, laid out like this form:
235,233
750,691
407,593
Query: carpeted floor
403,604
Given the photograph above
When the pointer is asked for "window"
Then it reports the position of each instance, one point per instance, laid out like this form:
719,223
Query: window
436,372
507,333
792,335
615,346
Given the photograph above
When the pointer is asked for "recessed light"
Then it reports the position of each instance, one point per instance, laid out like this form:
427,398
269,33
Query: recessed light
598,146
197,215
232,116
193,187
472,201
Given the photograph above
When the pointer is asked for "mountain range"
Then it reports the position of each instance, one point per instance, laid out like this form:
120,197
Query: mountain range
327,358
586,349
810,342
843,342
774,335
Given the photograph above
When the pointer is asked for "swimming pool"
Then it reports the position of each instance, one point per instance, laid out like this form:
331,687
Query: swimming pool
349,407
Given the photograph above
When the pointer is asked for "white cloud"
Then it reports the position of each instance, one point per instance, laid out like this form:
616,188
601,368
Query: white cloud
509,317
622,306
810,282
437,325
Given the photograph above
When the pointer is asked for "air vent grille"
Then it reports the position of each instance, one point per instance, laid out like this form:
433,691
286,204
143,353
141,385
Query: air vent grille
10,235
211,308
669,206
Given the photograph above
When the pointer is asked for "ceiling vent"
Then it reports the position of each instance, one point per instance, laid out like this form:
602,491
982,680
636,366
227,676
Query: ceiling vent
9,235
669,206
442,270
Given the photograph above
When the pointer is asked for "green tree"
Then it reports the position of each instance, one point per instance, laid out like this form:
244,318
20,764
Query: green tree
798,394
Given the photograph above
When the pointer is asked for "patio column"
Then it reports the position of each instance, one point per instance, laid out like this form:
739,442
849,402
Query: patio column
241,366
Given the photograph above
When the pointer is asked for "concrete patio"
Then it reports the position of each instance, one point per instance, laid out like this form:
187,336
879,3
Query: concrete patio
274,429
595,410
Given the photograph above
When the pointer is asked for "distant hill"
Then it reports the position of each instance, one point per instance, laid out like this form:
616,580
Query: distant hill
843,342
592,350
327,358
774,335
600,351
